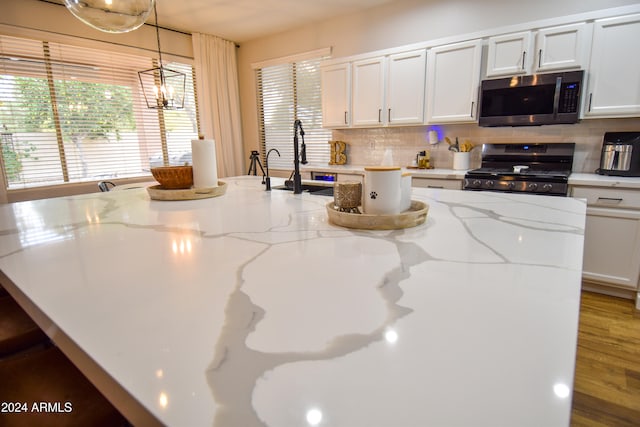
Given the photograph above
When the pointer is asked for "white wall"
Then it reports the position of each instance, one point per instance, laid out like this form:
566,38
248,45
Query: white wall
405,22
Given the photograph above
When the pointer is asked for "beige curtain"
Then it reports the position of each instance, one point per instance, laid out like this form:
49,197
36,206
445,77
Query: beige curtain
219,100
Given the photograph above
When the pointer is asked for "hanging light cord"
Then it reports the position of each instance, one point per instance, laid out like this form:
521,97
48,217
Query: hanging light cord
155,12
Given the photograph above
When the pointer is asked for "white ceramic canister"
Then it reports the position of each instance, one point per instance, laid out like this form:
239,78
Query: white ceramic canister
382,192
461,160
405,192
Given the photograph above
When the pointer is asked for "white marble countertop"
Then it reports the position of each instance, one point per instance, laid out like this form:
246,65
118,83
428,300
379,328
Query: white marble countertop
576,178
359,170
595,180
250,309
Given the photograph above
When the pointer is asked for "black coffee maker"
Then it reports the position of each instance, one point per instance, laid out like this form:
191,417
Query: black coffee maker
620,154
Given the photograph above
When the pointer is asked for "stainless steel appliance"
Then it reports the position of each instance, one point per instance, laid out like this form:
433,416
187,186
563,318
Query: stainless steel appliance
539,99
620,154
523,168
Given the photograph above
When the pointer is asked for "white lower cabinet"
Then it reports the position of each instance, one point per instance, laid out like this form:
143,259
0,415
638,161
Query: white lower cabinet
353,177
449,184
612,238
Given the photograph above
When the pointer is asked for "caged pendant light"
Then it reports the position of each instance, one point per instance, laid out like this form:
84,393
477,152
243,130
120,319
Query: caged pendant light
162,87
111,16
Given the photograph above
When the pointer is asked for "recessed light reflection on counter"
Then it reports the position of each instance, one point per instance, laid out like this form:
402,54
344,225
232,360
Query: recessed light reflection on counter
561,390
163,400
314,417
391,336
181,246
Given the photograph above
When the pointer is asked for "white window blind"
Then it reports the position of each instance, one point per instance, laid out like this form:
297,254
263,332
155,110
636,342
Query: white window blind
287,92
70,114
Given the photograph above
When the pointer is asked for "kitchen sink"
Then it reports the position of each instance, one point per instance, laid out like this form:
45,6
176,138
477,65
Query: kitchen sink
317,189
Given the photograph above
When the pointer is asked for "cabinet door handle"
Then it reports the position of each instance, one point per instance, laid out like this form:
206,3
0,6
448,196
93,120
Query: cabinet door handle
345,118
590,98
524,55
540,58
389,115
611,199
472,104
379,115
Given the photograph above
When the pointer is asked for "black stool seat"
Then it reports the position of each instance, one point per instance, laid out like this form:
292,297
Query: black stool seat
17,331
61,394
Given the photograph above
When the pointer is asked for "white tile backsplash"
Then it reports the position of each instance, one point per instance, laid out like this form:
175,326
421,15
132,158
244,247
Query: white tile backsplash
368,146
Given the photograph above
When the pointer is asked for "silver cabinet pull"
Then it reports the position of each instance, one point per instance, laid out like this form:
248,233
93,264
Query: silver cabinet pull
389,115
590,98
611,199
472,104
379,115
524,55
540,58
345,118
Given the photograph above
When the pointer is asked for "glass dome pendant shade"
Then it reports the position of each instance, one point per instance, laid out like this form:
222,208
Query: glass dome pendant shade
111,16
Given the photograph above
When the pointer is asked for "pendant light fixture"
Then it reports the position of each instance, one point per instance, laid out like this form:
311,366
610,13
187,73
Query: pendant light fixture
163,88
111,16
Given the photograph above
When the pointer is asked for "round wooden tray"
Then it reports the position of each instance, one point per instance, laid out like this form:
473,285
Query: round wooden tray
416,215
156,192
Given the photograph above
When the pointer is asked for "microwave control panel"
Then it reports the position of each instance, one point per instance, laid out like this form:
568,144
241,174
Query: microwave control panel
569,96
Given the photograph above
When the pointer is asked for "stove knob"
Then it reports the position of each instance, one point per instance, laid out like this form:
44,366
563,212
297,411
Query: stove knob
547,187
476,183
490,183
511,185
533,186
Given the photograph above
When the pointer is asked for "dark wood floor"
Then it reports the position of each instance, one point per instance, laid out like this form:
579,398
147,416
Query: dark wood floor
607,379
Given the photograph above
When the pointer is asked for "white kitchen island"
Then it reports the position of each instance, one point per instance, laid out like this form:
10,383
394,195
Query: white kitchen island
251,309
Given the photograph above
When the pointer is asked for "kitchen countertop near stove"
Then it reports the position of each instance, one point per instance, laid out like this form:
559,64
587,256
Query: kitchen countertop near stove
251,309
359,170
595,180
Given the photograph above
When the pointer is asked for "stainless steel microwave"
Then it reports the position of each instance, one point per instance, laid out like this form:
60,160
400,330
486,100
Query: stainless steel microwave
538,99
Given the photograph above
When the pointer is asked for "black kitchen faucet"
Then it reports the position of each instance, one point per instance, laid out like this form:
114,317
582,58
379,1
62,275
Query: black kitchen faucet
298,157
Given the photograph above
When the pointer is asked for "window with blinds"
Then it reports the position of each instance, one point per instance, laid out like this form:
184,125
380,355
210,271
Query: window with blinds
287,92
70,114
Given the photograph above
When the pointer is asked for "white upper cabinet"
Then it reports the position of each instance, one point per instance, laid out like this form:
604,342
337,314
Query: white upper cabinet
614,80
509,54
561,48
405,88
558,48
453,78
336,95
368,92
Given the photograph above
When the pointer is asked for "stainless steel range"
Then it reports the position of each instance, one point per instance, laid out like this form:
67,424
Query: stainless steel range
523,168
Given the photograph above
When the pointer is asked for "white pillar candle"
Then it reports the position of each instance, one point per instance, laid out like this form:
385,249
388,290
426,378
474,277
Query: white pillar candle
205,168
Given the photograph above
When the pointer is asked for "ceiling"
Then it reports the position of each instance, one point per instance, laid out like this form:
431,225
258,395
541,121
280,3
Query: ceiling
243,20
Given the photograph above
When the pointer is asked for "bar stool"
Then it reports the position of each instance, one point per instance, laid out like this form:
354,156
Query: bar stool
54,391
17,331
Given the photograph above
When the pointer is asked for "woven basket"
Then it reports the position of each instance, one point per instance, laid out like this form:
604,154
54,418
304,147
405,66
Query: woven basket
173,177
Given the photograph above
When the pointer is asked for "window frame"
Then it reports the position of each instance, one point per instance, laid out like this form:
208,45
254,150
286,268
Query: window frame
316,151
28,192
